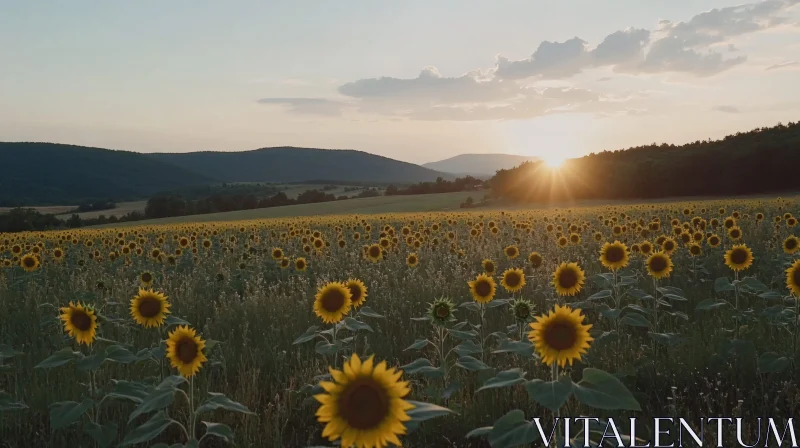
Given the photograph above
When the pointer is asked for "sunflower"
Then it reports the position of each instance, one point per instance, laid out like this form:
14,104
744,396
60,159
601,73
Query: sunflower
185,350
29,262
488,266
149,308
535,259
562,241
146,278
659,265
80,322
412,260
58,254
560,336
739,257
714,240
791,244
277,253
358,292
668,246
300,264
374,253
332,302
793,279
521,309
574,238
482,288
614,255
442,311
568,279
695,250
511,252
646,247
285,263
735,233
364,405
513,280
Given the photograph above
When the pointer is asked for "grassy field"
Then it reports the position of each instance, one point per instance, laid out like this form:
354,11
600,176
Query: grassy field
376,205
691,309
123,208
47,210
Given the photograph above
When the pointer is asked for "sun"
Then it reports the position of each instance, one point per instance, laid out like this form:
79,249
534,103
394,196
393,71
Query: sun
554,160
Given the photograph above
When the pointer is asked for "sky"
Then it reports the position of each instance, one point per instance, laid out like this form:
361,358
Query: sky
416,80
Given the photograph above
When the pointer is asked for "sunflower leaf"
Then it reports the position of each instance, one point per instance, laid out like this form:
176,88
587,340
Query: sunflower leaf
58,358
104,435
219,430
7,352
550,394
326,349
159,398
635,320
116,353
65,413
506,378
220,401
468,347
173,320
355,325
419,344
7,403
459,334
710,304
604,294
512,430
522,348
133,391
94,361
149,430
310,334
772,363
723,284
471,364
424,411
601,390
367,312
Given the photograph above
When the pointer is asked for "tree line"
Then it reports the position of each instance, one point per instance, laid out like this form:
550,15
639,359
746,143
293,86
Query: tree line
440,186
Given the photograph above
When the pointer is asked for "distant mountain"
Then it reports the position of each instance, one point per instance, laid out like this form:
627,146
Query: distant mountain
289,164
56,174
478,164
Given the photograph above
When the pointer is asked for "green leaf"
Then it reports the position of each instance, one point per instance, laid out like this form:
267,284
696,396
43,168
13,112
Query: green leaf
472,306
92,362
605,338
58,358
149,430
116,353
496,302
419,344
423,366
635,320
639,294
723,284
104,435
367,312
711,304
601,390
667,339
7,403
310,334
512,430
127,390
220,401
754,285
173,320
468,347
603,279
770,295
450,389
522,348
550,394
7,352
471,364
326,349
506,378
219,430
355,325
424,411
159,398
479,432
458,334
64,413
772,363
610,313
604,294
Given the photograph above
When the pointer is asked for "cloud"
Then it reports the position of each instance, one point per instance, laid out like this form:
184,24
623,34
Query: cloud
311,106
783,65
726,109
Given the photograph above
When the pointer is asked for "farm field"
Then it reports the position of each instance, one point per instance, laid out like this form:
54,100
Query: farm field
243,327
122,208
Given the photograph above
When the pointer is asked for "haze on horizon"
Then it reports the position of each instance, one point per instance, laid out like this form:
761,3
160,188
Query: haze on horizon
414,81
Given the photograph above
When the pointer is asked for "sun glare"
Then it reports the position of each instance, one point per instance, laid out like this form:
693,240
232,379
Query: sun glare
554,161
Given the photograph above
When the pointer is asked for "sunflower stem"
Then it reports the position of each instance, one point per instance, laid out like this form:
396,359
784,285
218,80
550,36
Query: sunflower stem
333,342
554,373
483,343
191,408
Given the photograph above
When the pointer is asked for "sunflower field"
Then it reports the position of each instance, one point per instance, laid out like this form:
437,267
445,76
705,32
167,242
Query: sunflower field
445,329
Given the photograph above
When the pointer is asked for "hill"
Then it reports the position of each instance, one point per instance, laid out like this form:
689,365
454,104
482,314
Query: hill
479,165
764,160
57,174
289,164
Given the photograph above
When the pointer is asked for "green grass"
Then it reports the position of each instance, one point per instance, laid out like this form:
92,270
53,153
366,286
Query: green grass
376,205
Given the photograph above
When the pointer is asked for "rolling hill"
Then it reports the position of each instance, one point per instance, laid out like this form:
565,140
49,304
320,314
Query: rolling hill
57,174
479,165
289,164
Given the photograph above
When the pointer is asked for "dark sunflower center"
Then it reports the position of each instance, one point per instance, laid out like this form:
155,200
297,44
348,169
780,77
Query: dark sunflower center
412,260
568,278
483,288
186,349
374,251
301,264
738,256
149,307
29,262
333,300
560,335
796,277
277,254
523,312
657,264
669,245
513,279
714,241
364,404
615,254
81,320
695,250
735,234
442,311
510,252
355,291
147,277
489,267
791,243
646,248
